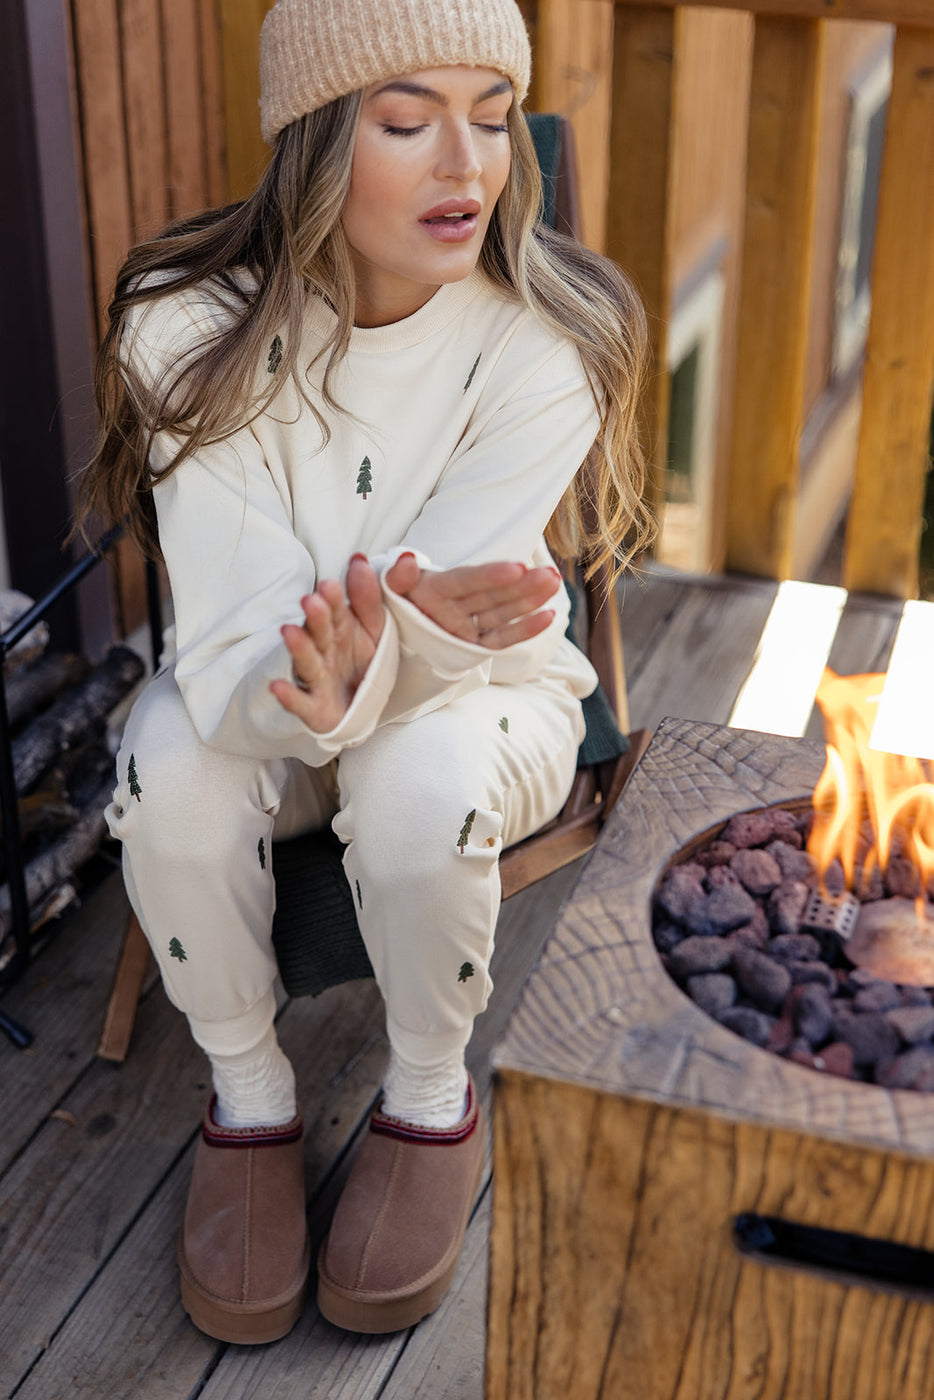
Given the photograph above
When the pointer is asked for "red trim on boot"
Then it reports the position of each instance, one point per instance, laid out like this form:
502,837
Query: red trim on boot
411,1132
215,1135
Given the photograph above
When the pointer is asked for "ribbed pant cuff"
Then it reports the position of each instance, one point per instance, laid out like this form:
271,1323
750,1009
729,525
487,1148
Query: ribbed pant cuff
426,1049
241,1034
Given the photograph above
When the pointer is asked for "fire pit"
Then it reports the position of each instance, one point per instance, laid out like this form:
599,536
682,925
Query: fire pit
678,1213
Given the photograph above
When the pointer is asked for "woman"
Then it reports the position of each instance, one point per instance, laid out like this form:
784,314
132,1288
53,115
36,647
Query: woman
345,412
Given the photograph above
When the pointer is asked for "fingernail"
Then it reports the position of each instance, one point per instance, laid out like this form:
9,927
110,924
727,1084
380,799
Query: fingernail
407,555
358,556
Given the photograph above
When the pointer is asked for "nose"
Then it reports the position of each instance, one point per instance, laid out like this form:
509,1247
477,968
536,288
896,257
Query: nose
458,159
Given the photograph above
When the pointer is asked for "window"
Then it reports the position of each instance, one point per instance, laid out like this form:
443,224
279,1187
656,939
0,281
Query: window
869,95
694,365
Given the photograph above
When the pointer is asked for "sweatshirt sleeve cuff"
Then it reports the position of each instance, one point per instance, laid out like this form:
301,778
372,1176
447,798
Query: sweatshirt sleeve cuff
449,657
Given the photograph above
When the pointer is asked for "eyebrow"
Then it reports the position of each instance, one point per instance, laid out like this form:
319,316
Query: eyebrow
432,94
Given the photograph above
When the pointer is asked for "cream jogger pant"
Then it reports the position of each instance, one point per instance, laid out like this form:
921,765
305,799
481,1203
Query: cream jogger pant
424,808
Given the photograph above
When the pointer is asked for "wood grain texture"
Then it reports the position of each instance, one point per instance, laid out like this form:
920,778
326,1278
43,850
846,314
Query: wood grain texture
709,644
768,408
144,104
886,510
902,12
643,171
187,138
247,154
614,1274
96,31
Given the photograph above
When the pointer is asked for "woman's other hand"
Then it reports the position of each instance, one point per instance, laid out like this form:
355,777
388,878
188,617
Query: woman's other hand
494,605
332,650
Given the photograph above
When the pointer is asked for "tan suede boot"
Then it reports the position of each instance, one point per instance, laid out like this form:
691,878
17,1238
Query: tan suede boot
243,1248
399,1226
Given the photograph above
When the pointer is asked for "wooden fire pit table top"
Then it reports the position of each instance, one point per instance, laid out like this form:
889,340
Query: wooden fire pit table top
600,1011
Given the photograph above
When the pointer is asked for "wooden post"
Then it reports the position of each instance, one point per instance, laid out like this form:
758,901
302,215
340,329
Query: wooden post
574,76
642,174
247,153
885,514
768,408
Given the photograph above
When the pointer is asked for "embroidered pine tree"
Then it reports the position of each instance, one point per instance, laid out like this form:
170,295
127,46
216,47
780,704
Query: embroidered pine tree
133,778
359,895
504,724
261,852
177,951
275,355
365,478
467,970
464,836
472,373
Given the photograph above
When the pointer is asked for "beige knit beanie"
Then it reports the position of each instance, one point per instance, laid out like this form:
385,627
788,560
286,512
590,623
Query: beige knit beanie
313,51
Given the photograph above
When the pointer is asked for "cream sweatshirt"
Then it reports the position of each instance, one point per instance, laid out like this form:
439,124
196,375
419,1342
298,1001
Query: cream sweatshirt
466,422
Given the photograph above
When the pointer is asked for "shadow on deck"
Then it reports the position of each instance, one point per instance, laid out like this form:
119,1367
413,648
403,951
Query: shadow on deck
94,1160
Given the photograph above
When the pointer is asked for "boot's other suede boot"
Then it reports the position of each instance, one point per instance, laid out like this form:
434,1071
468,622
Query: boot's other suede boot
243,1249
399,1226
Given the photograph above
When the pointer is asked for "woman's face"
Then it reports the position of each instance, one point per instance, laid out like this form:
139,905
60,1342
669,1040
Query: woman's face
430,161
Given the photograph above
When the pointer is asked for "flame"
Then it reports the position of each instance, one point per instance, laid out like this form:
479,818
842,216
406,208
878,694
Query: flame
895,793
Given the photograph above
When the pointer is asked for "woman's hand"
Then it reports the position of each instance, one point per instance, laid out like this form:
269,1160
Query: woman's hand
495,605
332,650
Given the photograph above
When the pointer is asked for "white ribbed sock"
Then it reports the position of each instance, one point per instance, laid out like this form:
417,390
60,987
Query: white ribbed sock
255,1088
430,1096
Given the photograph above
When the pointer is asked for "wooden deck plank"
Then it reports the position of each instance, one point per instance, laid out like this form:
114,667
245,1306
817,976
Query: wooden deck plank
863,643
61,999
709,644
648,600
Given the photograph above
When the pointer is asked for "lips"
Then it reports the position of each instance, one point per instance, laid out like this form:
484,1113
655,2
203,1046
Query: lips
452,211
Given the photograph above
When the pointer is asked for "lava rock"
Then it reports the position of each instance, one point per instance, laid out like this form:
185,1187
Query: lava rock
862,977
781,1035
766,983
698,955
902,879
757,871
914,996
912,1070
794,947
813,1014
752,1025
679,892
879,996
720,875
713,992
748,829
913,1023
868,1033
869,887
666,935
786,906
836,1058
717,853
794,865
725,908
806,972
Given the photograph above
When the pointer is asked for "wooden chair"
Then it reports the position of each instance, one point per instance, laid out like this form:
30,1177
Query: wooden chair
317,941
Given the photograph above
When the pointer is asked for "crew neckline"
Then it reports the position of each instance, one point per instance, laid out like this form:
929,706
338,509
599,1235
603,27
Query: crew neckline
439,311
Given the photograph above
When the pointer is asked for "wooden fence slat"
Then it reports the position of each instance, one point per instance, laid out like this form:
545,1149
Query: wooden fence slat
901,12
144,105
784,115
574,76
213,102
642,174
247,154
184,111
100,97
885,515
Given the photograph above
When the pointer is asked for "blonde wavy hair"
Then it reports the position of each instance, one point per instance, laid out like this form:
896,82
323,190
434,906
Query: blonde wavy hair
288,239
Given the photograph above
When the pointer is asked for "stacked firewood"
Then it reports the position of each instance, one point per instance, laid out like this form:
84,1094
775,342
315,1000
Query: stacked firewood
58,707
